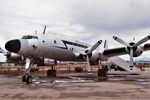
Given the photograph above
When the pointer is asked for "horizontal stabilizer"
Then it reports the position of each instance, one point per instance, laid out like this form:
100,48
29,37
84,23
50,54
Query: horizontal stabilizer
123,64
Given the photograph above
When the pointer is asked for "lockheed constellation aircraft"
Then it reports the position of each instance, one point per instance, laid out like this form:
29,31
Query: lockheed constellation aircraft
64,48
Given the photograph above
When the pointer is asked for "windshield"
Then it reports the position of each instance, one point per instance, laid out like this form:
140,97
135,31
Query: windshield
29,37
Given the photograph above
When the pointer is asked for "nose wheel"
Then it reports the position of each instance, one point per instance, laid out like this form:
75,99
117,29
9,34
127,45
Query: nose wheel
51,72
27,78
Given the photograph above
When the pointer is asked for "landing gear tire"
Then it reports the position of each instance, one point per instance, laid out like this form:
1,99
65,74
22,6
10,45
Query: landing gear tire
27,78
51,73
102,73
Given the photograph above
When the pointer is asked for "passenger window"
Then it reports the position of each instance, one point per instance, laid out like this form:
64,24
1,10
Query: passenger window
29,37
71,49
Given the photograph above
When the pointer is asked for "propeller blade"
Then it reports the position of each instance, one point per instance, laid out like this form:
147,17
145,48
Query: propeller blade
89,68
120,41
94,47
142,41
105,45
131,59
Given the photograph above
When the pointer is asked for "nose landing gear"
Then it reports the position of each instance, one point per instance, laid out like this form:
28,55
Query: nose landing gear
27,78
27,75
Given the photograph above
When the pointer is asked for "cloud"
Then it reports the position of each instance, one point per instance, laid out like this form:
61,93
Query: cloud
90,20
111,15
21,16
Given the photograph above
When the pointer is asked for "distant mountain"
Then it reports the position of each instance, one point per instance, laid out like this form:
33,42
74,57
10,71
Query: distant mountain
147,59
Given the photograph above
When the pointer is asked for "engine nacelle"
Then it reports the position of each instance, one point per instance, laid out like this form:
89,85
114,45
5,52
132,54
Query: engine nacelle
13,57
50,62
138,52
94,58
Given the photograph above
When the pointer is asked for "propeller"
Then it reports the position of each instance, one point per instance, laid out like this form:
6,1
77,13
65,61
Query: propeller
132,47
89,52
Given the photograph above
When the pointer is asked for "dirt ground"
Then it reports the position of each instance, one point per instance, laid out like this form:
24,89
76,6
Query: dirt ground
73,87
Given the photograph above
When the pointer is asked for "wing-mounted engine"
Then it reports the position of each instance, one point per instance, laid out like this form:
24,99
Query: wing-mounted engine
138,52
134,49
90,55
13,57
94,57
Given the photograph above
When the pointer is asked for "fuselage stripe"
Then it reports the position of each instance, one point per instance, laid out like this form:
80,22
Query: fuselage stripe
74,44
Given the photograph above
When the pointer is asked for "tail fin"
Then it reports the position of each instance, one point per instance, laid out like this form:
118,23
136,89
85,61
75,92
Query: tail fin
105,45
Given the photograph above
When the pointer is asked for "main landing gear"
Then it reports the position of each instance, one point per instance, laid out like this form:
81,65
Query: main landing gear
27,75
51,72
27,78
102,73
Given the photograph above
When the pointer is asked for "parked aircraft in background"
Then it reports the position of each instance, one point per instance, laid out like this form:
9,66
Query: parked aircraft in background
64,48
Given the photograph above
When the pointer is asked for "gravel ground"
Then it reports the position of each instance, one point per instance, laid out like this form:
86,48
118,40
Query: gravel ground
75,88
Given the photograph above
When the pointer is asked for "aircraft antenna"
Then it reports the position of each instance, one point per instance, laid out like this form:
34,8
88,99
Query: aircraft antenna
44,30
134,39
35,31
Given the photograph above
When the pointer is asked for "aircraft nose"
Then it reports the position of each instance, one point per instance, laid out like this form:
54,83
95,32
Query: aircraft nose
13,45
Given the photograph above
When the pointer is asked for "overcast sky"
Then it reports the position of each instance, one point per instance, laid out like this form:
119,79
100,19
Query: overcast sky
90,20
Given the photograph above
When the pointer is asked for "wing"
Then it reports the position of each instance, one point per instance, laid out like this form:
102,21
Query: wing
122,64
115,52
121,51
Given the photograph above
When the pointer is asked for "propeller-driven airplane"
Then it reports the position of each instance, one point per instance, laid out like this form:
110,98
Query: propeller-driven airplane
64,48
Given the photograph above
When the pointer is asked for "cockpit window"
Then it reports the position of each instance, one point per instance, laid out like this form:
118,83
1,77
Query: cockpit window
29,37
